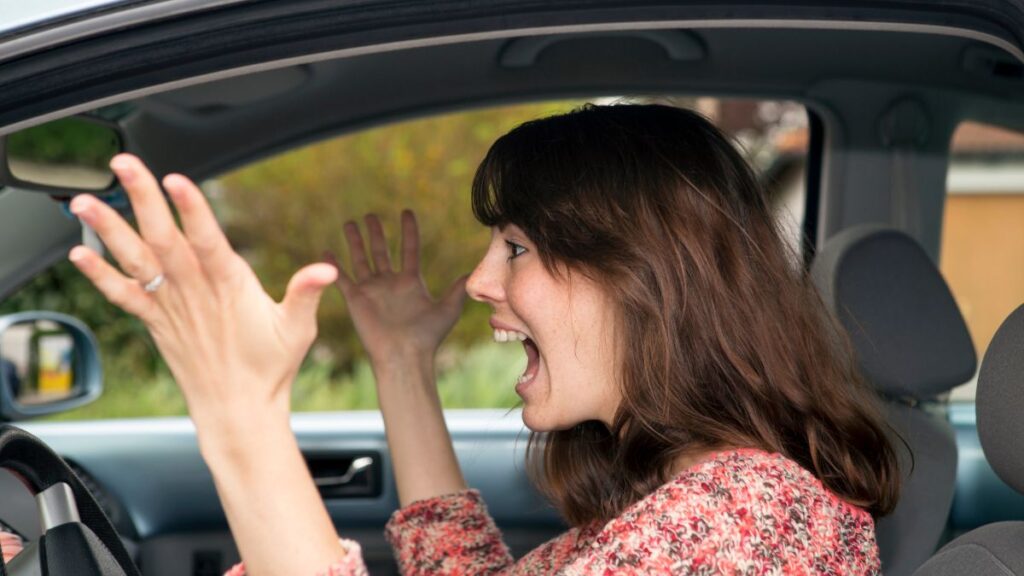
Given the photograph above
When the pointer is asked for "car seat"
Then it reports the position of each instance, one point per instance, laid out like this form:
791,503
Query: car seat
912,345
998,548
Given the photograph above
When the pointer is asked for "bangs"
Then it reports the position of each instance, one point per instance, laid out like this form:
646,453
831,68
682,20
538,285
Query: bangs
505,187
488,195
530,176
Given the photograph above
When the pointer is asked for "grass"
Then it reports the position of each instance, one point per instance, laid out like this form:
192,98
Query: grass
482,376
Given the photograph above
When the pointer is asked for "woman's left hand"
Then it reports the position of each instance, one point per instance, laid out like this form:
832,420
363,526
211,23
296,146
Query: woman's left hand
233,350
393,312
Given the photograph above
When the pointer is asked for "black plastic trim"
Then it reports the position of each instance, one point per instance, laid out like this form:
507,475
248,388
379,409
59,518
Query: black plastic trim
253,32
812,179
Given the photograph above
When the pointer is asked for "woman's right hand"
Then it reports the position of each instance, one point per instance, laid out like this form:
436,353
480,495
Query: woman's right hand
394,314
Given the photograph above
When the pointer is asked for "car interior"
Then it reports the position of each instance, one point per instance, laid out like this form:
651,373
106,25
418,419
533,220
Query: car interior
875,279
204,91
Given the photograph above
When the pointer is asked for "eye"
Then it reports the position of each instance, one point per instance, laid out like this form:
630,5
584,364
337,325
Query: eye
514,250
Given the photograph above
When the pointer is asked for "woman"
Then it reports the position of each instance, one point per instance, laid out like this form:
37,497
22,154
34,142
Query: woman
694,410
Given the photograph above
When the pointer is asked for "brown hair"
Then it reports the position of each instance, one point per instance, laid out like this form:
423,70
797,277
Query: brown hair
729,343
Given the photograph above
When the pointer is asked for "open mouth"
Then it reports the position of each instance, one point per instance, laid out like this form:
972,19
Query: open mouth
532,362
532,354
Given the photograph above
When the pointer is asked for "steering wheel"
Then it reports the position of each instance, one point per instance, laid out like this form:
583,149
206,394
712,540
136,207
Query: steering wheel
78,538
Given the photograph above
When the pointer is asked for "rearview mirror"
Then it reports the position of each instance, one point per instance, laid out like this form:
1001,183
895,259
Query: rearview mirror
70,154
48,364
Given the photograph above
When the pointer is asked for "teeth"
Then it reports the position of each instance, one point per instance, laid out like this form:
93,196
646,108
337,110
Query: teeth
509,336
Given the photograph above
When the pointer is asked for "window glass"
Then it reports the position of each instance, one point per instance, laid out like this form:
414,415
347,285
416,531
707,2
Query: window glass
283,212
982,235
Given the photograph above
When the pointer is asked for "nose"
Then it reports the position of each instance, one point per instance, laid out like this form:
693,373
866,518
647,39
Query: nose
485,283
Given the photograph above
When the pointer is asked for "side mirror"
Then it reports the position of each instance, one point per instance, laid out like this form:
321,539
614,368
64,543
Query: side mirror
66,155
49,363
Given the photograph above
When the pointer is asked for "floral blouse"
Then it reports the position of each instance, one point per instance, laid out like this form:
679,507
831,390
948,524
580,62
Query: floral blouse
740,512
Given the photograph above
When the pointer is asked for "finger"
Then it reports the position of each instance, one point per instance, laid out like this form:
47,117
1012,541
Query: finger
132,254
378,244
344,283
410,243
302,297
356,249
202,231
122,292
12,545
153,215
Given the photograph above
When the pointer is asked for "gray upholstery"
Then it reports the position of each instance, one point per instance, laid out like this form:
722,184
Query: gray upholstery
1000,401
996,549
912,343
908,332
992,550
908,536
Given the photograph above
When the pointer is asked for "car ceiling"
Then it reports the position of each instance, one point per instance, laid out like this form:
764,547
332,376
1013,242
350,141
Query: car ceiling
249,111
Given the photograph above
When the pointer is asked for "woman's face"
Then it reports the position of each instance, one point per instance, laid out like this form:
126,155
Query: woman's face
564,323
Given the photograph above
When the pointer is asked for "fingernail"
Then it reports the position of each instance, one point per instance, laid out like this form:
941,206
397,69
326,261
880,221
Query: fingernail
79,205
173,180
173,187
122,167
76,254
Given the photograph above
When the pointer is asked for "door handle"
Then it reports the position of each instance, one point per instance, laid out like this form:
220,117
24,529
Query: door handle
357,466
346,474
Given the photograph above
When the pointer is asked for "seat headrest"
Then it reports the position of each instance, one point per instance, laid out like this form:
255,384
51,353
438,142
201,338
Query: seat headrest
1000,401
907,330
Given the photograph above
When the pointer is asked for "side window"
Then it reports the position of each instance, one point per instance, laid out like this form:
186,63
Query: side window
284,211
982,232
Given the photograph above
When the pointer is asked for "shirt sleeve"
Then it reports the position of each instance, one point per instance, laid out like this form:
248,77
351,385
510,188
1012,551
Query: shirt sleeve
447,535
351,565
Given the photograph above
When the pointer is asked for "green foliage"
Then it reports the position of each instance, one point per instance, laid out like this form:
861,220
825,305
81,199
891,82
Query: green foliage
66,141
480,377
483,376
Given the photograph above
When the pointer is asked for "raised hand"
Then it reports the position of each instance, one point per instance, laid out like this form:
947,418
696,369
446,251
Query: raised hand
233,350
401,326
393,312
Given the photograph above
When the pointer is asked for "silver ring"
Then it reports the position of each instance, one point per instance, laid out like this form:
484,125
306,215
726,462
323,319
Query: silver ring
154,284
